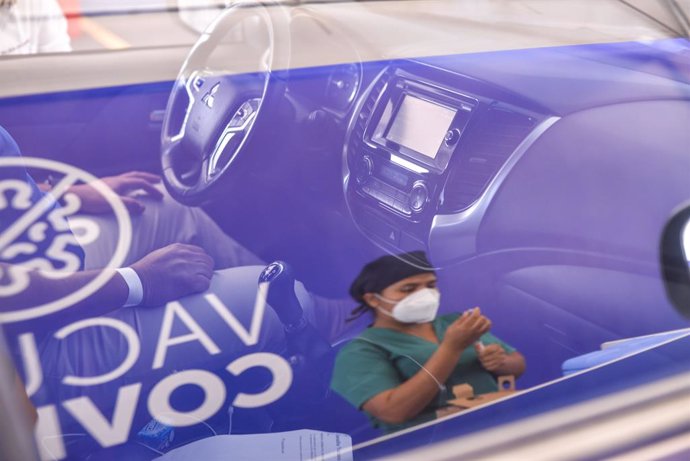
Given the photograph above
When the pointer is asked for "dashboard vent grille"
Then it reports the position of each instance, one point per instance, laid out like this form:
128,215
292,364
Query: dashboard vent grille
491,140
357,138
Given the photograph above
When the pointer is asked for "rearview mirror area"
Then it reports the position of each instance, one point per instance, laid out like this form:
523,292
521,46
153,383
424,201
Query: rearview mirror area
675,259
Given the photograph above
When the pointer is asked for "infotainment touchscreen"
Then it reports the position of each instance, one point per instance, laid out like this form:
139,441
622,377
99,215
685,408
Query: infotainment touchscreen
420,125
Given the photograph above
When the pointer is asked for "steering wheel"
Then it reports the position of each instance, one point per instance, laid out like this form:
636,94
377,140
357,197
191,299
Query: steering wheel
221,96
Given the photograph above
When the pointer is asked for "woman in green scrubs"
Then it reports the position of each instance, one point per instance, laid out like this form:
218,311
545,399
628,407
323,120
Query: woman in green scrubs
402,369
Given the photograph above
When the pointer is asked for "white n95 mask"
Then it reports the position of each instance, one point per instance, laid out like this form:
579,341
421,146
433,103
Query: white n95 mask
418,307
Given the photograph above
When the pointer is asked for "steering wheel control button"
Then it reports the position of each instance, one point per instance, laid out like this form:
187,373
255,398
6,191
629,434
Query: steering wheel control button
244,114
198,83
419,196
451,137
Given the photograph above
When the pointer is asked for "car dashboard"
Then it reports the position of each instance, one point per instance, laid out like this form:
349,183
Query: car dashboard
426,141
430,142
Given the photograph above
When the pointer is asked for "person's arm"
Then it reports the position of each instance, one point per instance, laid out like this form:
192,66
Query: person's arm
496,360
398,405
42,289
166,274
93,202
404,402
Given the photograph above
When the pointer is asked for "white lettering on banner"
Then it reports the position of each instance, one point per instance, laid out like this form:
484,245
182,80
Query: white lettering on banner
250,337
279,368
113,430
116,431
159,399
106,433
133,349
57,247
32,364
164,340
48,434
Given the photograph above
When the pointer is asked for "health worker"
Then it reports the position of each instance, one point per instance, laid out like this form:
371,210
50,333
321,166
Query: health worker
401,370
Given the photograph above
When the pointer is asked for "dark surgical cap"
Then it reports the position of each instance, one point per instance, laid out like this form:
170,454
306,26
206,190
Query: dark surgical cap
385,271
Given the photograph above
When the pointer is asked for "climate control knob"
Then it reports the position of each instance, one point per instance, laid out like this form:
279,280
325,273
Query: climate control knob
365,167
419,196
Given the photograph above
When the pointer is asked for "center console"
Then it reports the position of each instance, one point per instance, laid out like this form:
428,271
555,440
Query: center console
425,151
410,136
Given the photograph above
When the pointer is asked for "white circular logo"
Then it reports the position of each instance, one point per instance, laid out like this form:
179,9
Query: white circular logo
41,224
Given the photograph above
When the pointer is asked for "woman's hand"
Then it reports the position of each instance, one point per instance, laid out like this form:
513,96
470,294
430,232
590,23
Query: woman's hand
492,356
497,361
466,330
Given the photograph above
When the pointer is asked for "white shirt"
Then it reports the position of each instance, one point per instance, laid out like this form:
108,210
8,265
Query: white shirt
33,26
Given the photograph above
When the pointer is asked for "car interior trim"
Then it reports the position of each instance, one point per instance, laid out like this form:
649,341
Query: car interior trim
459,230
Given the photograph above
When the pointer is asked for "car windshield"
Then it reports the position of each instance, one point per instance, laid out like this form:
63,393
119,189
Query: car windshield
106,25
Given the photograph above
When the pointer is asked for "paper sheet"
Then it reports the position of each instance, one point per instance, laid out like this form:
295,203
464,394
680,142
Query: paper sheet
301,445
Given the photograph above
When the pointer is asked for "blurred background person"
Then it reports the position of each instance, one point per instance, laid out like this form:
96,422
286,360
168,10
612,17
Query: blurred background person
32,26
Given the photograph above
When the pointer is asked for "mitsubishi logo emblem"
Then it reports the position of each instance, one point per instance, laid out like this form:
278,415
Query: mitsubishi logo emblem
210,97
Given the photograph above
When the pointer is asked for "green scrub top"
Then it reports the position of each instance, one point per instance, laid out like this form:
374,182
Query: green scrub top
380,359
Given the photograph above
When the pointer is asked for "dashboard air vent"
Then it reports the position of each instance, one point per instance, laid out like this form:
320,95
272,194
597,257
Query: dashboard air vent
497,133
357,137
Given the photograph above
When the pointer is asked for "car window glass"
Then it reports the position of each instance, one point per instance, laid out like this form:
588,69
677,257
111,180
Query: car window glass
218,220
